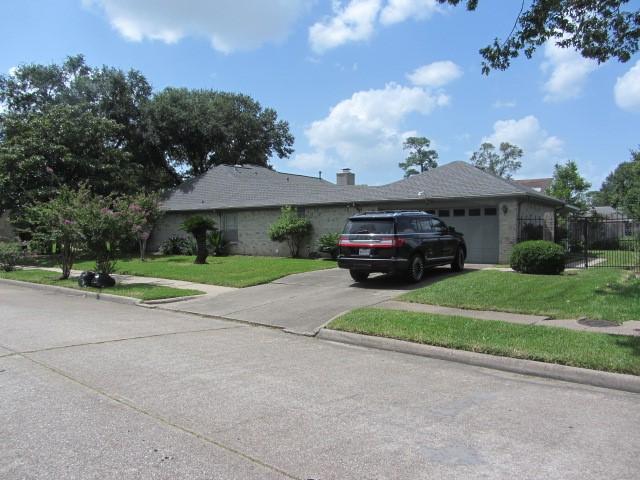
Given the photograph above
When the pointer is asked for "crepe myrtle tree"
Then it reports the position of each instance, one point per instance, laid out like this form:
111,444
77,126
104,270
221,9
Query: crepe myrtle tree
59,223
290,228
143,212
198,226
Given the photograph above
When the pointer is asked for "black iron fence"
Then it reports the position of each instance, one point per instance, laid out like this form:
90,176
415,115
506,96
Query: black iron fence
589,241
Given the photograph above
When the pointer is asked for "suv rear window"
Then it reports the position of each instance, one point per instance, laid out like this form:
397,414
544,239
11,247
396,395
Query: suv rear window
366,225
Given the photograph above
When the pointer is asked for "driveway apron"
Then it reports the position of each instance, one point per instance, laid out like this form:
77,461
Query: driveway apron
304,302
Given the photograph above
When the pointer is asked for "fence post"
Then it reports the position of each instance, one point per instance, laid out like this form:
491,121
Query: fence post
586,242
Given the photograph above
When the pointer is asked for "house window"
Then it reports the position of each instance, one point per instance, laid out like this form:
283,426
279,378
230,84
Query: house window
300,211
474,212
491,211
458,212
443,213
230,226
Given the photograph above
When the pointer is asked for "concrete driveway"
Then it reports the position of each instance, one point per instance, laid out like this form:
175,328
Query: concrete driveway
304,302
97,390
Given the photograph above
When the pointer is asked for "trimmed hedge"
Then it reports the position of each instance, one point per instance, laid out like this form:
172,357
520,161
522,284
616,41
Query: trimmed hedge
538,257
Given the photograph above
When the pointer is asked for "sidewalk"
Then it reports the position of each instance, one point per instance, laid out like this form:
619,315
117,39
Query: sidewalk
597,326
210,290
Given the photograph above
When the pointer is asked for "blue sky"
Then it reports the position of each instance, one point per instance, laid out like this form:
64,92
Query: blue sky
355,77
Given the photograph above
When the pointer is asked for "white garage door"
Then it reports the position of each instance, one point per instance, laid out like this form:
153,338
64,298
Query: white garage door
480,228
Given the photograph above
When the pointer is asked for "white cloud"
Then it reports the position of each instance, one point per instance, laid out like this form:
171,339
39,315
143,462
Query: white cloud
504,104
397,11
435,74
541,150
627,89
365,132
351,23
356,20
229,24
568,71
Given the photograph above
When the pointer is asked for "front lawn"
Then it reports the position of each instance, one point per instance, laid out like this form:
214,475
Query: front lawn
599,294
143,291
231,271
614,353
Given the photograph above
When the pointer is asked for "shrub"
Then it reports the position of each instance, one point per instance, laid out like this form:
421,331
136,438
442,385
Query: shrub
198,226
328,243
290,228
538,257
175,245
216,243
10,255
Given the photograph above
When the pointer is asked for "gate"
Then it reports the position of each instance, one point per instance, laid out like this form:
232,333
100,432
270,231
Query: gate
589,241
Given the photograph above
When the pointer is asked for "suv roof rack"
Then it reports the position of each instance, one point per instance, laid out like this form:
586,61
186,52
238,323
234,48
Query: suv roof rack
393,212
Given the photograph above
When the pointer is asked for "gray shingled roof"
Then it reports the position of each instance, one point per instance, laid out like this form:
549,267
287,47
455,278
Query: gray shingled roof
250,186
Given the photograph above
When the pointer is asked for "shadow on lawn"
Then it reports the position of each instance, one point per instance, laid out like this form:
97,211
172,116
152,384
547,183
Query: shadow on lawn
629,288
629,343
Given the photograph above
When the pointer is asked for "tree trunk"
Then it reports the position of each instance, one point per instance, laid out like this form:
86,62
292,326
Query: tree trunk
142,242
201,244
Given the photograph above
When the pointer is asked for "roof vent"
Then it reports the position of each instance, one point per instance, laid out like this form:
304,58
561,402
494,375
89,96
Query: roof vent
346,177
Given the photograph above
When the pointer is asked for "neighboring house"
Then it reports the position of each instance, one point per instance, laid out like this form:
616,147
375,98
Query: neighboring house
540,185
245,200
611,223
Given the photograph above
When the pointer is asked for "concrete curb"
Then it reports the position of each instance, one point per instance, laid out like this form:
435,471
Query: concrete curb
616,381
97,296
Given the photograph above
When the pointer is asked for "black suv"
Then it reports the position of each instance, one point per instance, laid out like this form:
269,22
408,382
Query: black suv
399,242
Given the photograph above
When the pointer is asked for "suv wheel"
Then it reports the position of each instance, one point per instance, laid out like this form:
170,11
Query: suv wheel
458,262
359,275
416,268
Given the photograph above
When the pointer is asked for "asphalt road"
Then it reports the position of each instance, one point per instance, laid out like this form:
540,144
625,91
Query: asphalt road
90,389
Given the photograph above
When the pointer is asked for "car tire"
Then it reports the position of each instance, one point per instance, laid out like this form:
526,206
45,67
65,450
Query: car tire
458,261
416,268
359,275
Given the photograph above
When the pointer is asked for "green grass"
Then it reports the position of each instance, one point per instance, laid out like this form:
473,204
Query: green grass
231,271
599,294
624,258
613,353
143,291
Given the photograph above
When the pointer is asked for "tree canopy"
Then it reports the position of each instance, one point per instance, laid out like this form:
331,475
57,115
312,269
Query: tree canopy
503,164
71,123
569,185
598,29
419,156
621,189
197,129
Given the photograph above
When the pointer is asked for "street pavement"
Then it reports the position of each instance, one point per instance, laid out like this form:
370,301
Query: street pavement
91,389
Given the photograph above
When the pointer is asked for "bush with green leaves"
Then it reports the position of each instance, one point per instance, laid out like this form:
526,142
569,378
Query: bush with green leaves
216,243
198,226
175,245
538,257
290,228
328,243
11,254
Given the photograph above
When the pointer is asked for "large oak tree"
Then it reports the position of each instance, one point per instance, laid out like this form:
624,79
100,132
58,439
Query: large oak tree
197,129
598,29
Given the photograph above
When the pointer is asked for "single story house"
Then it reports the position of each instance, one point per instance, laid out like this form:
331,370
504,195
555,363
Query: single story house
245,199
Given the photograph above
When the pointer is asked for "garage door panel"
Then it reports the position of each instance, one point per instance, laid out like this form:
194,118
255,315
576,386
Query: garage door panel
481,237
